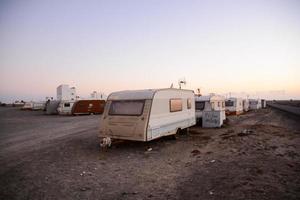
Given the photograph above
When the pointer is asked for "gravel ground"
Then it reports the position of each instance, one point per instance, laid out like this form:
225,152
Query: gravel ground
254,156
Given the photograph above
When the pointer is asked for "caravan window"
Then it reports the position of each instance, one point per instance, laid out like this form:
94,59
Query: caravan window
175,105
229,103
200,105
128,107
189,103
67,105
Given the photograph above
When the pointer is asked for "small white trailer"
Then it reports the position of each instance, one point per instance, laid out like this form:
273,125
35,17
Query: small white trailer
65,107
39,105
27,106
211,103
144,115
34,105
246,105
234,106
254,104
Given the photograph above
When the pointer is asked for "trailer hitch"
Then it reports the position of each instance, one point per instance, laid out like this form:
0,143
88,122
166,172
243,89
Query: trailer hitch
105,142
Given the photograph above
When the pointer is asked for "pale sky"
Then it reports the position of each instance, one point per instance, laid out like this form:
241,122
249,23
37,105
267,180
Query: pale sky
250,47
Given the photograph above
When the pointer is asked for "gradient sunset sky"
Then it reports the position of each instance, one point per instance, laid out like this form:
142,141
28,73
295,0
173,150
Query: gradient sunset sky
218,46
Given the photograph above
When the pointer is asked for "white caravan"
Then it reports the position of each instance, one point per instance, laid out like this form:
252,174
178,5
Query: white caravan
28,106
65,107
254,104
144,115
210,103
246,105
234,106
34,106
38,105
263,103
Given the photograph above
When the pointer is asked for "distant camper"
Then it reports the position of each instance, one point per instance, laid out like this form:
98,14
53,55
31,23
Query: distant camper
82,107
210,103
27,106
234,106
263,103
254,104
65,107
39,105
246,105
51,107
17,104
34,106
144,115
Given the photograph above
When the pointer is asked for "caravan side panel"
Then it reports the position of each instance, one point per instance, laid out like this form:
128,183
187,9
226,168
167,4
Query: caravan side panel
88,107
162,121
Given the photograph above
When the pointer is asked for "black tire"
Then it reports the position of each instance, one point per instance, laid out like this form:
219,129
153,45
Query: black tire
184,131
176,135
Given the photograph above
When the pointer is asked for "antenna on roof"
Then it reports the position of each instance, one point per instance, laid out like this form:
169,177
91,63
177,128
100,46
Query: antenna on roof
181,81
198,92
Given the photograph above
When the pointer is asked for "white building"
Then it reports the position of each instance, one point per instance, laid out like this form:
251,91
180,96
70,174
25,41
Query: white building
65,93
98,96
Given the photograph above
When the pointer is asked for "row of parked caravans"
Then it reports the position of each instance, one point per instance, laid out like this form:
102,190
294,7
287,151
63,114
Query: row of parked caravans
67,107
144,115
236,106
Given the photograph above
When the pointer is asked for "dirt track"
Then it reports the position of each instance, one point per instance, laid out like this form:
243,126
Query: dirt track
55,157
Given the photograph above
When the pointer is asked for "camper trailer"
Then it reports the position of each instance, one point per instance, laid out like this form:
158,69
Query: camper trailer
18,104
51,107
144,115
27,106
38,105
208,104
263,103
65,107
82,107
245,105
254,104
34,106
234,106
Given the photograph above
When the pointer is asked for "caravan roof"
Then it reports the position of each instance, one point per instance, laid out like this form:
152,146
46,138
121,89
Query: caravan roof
137,94
209,98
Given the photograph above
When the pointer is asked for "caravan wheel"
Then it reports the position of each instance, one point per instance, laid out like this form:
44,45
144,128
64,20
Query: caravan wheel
175,136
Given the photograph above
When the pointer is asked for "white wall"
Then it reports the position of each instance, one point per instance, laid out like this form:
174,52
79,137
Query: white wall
64,92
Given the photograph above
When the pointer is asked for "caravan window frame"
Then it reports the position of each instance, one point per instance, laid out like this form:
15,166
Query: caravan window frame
202,103
231,103
189,103
122,101
175,110
67,105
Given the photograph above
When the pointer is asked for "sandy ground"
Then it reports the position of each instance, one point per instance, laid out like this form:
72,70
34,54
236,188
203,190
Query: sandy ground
56,157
